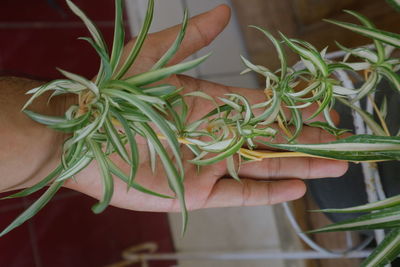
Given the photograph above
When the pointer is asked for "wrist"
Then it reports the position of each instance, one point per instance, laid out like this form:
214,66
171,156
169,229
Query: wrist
29,150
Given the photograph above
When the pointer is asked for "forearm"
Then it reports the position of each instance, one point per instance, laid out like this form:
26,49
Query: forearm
28,150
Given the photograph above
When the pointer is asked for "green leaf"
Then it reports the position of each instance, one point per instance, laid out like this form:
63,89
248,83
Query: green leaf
108,183
279,49
270,114
368,119
137,47
309,54
132,144
355,148
230,164
367,87
175,180
160,90
34,208
229,152
175,46
83,81
385,219
105,70
378,205
156,118
259,69
160,74
116,141
152,156
44,119
74,167
328,91
119,36
72,87
218,147
386,251
121,175
325,126
383,36
246,107
297,119
393,77
30,190
96,34
72,125
313,86
343,91
364,20
395,4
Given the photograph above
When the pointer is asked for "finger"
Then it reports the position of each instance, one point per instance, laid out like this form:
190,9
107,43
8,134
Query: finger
201,31
301,168
230,193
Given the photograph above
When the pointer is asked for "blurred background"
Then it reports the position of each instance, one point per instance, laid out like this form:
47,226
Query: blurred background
36,36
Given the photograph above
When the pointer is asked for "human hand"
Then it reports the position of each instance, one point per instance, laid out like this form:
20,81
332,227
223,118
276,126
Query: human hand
266,182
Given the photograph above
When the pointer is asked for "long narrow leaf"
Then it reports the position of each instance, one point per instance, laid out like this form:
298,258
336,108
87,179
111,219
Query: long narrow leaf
378,205
121,175
30,190
116,140
385,219
156,118
384,36
138,43
108,183
44,119
175,46
132,144
229,152
160,74
96,34
279,49
34,208
174,178
119,36
386,251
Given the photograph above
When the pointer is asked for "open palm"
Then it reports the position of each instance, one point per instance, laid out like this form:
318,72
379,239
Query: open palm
266,182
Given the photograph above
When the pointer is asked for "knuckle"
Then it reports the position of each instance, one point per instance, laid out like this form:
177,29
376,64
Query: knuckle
202,35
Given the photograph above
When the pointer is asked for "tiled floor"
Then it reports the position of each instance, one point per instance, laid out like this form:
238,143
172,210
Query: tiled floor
35,38
66,233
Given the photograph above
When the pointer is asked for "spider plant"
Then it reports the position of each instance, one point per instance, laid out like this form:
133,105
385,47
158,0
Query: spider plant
114,109
374,64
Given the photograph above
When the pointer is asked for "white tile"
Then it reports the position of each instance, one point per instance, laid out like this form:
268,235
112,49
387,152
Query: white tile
227,48
167,13
236,228
228,229
236,80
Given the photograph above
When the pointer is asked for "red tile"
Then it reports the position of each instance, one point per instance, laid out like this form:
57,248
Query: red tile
16,246
7,205
37,53
69,234
54,10
63,193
